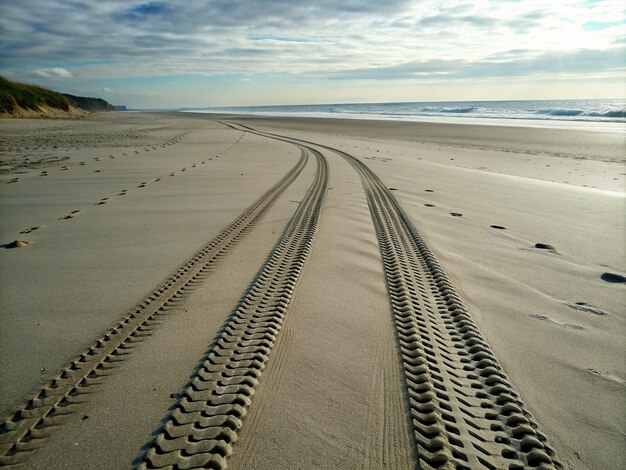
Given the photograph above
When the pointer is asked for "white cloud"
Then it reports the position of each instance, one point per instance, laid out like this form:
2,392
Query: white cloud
415,39
53,72
243,36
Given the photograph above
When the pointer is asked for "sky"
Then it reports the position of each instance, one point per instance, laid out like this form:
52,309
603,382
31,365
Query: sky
200,53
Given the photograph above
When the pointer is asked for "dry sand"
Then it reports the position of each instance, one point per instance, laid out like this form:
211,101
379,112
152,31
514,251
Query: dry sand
105,224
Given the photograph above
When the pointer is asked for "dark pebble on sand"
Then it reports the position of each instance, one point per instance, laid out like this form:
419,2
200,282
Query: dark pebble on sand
544,246
613,278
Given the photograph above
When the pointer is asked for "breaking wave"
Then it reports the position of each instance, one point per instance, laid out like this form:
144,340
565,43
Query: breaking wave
536,110
560,112
610,114
449,110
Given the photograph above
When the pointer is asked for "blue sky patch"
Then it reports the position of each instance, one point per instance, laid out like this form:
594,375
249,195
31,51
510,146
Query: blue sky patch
148,9
600,25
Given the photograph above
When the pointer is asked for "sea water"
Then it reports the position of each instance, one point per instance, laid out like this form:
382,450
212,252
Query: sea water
508,112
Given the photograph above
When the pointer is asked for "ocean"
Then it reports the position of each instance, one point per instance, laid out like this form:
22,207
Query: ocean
537,112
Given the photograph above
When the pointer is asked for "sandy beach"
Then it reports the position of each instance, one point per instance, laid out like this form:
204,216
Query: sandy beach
210,291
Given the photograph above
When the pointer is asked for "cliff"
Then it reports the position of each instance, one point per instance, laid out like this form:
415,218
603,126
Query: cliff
89,104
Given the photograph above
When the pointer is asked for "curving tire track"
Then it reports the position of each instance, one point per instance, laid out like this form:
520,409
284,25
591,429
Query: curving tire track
465,412
28,427
202,427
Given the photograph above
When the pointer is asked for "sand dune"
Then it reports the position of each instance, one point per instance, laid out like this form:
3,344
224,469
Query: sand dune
213,291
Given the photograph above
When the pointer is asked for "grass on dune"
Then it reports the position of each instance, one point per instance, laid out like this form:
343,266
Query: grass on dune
13,95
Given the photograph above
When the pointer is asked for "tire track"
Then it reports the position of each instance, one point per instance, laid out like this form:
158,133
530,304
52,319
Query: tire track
27,428
202,427
465,412
247,453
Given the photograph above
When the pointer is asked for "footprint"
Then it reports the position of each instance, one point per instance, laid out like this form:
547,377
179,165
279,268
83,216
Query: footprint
429,190
548,319
81,163
430,205
32,229
498,227
14,180
538,317
585,307
15,244
97,171
456,214
70,215
613,278
606,376
184,169
142,185
63,168
393,189
44,173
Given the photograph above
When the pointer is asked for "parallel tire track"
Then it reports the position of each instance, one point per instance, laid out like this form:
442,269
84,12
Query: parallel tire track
27,428
465,412
202,427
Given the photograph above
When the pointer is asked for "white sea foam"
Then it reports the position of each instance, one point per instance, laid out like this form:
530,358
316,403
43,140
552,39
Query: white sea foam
597,115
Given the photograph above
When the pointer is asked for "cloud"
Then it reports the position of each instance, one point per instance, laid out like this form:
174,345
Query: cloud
53,72
348,39
106,90
515,63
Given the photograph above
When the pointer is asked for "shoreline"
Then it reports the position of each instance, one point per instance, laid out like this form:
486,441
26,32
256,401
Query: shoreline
607,125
